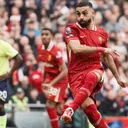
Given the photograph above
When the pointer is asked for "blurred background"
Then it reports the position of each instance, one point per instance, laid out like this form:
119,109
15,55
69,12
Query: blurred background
21,22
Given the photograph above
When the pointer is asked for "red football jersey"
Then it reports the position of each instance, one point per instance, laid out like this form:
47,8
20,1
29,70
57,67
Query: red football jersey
96,37
52,57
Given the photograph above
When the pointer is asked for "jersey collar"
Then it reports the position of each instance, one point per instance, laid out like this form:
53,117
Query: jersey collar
50,46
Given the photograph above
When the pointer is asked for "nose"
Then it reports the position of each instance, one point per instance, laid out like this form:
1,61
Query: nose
81,16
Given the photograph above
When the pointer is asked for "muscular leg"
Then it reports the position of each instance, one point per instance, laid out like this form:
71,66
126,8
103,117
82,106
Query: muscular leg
50,106
92,113
3,118
91,80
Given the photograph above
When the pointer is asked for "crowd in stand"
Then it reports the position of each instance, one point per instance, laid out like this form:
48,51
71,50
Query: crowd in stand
21,22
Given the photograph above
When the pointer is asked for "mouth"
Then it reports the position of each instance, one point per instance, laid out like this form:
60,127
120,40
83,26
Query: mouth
83,22
44,40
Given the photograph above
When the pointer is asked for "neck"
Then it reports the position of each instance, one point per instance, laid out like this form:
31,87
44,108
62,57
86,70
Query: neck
90,26
46,45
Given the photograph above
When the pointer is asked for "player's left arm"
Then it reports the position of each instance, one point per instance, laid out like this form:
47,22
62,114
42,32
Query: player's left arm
11,53
18,59
109,62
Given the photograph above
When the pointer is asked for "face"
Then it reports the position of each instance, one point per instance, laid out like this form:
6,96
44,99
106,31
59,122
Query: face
46,36
84,15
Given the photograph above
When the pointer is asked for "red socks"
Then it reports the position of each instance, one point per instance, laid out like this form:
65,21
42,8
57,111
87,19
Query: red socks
79,99
84,92
53,117
95,117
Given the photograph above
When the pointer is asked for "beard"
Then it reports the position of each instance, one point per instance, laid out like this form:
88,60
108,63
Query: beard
84,24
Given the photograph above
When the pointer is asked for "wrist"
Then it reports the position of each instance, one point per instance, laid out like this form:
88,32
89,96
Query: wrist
100,49
51,83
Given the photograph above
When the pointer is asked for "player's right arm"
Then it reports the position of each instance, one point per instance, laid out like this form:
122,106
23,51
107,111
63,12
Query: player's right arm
77,48
44,76
72,40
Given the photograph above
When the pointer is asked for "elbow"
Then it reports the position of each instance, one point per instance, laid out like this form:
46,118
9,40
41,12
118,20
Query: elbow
65,72
19,59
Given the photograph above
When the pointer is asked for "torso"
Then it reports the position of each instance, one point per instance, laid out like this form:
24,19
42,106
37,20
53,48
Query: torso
97,38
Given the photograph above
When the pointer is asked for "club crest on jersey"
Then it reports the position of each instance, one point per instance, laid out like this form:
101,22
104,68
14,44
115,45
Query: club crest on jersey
68,30
100,39
49,57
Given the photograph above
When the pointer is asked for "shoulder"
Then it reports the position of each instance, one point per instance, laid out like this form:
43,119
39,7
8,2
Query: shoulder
2,42
57,52
5,44
102,31
40,46
71,27
56,48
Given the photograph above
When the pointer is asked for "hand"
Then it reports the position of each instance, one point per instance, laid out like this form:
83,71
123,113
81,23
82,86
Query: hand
112,52
122,82
45,88
5,76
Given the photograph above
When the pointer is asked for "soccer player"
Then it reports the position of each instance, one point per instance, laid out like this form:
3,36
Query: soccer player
55,75
88,43
6,52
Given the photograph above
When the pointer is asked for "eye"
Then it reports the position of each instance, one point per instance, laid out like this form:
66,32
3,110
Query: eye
84,13
78,14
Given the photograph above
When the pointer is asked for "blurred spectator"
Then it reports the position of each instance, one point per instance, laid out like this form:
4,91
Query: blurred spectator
25,85
33,98
20,100
61,44
112,25
123,21
98,18
109,106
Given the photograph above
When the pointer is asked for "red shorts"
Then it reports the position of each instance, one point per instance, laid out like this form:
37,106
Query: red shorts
58,92
76,82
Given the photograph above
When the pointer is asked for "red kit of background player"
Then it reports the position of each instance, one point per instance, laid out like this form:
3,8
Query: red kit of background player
52,58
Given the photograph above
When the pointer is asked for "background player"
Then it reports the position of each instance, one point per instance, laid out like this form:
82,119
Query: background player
85,69
6,52
55,80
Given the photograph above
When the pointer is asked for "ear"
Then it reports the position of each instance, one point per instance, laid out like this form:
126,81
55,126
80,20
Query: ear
93,12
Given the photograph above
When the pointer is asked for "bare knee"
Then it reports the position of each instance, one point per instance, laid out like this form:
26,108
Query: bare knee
87,102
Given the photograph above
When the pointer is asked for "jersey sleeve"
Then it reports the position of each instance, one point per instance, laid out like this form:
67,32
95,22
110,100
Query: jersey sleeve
70,33
59,57
9,50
